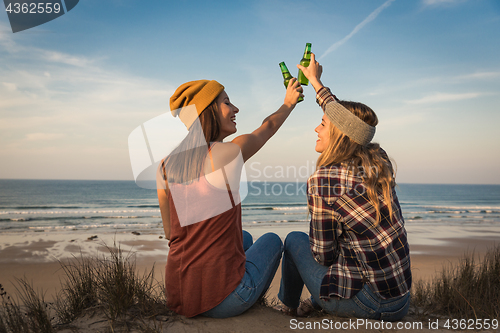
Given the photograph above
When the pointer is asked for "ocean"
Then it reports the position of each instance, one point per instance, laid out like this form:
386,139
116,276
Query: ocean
28,206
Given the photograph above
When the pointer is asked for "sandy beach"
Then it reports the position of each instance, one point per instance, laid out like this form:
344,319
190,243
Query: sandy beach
35,256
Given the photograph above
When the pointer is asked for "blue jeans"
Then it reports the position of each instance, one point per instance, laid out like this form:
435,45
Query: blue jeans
299,268
263,258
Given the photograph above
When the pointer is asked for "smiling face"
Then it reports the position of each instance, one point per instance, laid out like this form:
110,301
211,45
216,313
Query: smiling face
227,115
323,131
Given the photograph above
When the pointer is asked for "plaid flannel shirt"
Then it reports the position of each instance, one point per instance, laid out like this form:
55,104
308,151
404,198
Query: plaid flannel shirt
344,235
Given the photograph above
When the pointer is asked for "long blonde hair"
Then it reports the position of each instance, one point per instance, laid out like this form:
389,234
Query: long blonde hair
370,161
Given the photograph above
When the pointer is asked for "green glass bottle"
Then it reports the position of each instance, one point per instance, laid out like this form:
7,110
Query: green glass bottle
306,59
287,77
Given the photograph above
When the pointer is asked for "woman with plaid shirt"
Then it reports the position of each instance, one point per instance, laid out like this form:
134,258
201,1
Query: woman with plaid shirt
355,261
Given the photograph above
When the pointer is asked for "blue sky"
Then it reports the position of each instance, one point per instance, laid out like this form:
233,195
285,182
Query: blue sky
73,89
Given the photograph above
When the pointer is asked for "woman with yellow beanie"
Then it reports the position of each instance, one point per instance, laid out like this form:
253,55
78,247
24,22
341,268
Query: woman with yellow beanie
213,266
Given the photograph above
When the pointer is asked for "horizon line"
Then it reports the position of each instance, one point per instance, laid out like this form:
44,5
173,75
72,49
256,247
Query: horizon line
248,181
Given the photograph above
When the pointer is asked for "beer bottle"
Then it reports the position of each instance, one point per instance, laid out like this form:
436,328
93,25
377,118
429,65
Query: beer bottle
306,59
287,77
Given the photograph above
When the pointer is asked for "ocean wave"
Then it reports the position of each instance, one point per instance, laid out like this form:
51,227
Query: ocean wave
259,204
257,208
466,211
451,211
97,217
274,207
42,207
19,219
290,208
96,226
83,212
460,207
402,202
275,221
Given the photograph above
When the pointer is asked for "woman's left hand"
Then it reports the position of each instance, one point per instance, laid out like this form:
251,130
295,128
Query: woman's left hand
313,72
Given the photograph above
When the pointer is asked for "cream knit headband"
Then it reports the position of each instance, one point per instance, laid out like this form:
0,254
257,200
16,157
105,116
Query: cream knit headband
349,124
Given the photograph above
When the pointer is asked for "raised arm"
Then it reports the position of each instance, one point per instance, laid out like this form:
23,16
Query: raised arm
251,143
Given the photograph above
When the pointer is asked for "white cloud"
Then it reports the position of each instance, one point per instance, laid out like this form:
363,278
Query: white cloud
482,81
10,86
441,2
54,83
479,76
63,58
356,29
43,136
71,108
401,121
444,97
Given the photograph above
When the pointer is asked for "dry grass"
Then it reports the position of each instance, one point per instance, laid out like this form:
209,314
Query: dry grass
108,284
33,316
469,290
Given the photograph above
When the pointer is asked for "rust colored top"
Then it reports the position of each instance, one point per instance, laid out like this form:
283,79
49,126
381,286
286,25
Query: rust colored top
206,261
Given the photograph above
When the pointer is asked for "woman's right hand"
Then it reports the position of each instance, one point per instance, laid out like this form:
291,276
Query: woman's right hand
293,92
313,72
251,143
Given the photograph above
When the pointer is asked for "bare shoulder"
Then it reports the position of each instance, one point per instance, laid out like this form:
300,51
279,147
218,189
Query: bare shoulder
224,153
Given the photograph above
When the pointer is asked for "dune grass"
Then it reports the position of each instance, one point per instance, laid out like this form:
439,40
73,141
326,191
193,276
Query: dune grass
33,316
108,284
469,289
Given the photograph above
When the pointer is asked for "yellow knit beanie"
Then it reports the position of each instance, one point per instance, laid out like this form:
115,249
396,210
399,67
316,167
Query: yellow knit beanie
191,98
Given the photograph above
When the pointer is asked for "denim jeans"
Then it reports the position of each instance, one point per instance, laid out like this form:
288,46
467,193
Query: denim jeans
262,261
299,268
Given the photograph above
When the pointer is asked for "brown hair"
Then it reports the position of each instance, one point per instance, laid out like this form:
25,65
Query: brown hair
370,161
185,163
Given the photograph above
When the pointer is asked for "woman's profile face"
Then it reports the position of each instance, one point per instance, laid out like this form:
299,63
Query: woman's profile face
323,131
227,115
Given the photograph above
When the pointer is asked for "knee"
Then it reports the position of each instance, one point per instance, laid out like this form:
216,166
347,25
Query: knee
273,240
293,238
247,240
247,234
